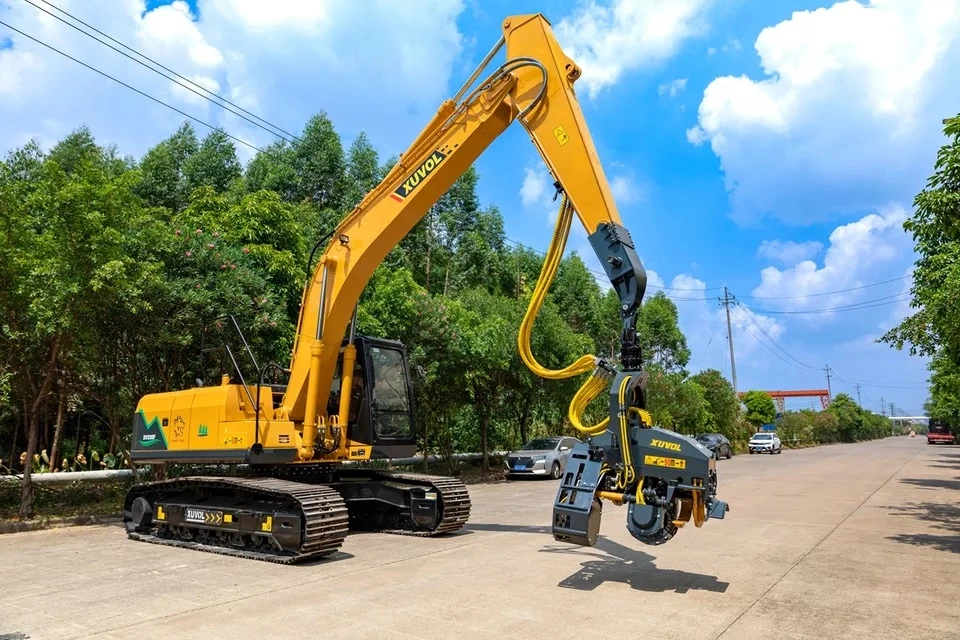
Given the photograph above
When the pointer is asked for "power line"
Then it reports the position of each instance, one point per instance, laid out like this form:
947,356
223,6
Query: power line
863,305
753,319
883,385
866,304
132,88
178,75
232,137
764,344
712,333
827,293
601,273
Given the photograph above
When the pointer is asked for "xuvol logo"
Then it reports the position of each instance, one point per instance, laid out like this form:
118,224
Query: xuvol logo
202,430
418,176
673,446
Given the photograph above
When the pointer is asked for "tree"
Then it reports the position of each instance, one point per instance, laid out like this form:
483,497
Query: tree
936,278
492,342
577,295
162,182
65,263
659,332
363,171
320,165
848,416
723,407
273,169
214,164
609,328
760,408
676,403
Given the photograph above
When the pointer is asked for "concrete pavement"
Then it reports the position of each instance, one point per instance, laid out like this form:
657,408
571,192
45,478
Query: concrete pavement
845,541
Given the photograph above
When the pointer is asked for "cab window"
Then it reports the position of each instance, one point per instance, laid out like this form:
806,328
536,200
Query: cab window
392,402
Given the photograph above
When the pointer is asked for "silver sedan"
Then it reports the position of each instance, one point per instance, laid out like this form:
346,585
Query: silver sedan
540,457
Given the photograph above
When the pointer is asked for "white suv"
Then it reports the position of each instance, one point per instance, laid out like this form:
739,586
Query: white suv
767,441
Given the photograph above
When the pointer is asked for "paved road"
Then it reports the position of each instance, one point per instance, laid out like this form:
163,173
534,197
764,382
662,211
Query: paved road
849,541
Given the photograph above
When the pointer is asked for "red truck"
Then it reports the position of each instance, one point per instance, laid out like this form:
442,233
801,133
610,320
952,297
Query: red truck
939,433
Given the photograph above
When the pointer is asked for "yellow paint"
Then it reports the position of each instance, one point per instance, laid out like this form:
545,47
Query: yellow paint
672,463
227,518
561,135
267,524
160,514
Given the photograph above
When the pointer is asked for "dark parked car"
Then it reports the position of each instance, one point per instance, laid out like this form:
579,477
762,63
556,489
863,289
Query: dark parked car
718,443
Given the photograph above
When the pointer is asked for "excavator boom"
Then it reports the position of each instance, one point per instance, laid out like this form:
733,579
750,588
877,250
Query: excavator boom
534,86
348,397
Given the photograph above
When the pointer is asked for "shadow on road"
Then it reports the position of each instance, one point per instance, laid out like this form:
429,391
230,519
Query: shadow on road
611,561
948,460
945,517
931,483
336,556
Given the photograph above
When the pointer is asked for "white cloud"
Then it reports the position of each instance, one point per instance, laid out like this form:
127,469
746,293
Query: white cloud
704,323
625,189
848,115
673,87
189,91
534,186
861,252
609,41
711,51
284,60
654,282
303,15
789,252
172,27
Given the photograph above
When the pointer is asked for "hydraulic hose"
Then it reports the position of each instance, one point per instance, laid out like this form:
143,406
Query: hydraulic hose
597,382
628,475
550,265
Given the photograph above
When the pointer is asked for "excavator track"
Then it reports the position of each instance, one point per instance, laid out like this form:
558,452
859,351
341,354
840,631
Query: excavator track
319,511
386,501
454,500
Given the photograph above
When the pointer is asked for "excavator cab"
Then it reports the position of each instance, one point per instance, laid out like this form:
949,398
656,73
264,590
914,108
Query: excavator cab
381,403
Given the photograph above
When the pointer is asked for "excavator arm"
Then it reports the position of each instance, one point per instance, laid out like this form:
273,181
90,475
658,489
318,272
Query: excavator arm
534,86
665,478
300,500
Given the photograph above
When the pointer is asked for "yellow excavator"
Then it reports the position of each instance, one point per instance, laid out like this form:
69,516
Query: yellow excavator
348,398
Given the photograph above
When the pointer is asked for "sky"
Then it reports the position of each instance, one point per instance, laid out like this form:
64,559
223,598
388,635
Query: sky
771,148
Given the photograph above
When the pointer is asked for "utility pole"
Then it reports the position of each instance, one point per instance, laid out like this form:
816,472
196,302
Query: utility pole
883,407
829,392
727,299
858,396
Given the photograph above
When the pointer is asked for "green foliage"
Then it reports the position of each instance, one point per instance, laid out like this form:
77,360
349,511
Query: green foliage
934,329
723,407
660,336
760,408
847,412
112,272
676,403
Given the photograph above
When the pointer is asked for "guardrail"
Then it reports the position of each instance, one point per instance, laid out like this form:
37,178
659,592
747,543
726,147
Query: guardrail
66,477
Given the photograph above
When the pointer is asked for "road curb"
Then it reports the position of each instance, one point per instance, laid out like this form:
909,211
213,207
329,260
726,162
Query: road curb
56,523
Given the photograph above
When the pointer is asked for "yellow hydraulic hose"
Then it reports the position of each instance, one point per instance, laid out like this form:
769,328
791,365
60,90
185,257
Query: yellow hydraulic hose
628,475
550,265
596,383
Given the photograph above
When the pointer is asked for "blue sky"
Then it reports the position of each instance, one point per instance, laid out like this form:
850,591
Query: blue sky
773,148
